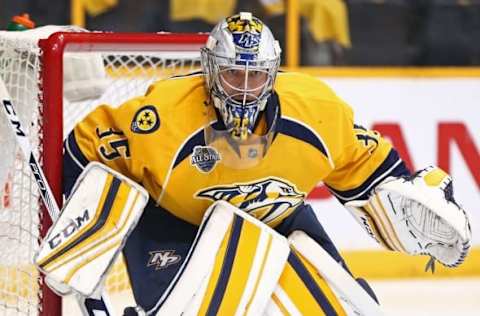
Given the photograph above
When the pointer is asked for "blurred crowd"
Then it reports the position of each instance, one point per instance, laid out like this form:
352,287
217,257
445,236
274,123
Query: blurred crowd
333,32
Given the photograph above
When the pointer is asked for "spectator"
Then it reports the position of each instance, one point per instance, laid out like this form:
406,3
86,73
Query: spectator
445,33
325,32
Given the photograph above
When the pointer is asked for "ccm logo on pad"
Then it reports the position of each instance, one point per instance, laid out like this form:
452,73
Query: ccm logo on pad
68,230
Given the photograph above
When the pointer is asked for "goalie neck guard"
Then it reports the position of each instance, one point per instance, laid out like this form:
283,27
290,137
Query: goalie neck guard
240,62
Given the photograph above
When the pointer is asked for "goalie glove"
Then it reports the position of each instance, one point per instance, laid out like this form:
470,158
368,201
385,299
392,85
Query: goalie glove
417,215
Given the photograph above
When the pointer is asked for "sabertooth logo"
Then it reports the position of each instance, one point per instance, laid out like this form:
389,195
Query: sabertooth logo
204,158
266,199
162,259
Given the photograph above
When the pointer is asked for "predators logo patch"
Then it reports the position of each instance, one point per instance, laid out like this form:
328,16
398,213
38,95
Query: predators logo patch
246,32
269,200
162,259
146,120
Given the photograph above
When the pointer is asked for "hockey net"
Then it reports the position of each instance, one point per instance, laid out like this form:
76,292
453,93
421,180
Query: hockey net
54,80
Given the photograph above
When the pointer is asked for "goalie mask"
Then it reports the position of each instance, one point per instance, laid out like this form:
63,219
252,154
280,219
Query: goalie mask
240,61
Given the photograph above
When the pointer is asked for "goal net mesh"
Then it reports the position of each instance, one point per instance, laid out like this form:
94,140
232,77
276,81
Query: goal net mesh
93,74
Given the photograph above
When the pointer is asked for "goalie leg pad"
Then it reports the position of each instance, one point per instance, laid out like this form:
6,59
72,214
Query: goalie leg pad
234,266
305,220
343,293
91,230
303,291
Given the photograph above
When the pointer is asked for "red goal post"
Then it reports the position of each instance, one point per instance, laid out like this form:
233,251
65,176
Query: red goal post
41,69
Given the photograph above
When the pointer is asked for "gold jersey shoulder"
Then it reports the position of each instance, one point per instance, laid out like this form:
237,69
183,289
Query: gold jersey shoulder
313,104
357,157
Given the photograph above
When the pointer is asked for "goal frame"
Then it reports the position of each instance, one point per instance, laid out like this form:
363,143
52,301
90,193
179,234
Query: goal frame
51,98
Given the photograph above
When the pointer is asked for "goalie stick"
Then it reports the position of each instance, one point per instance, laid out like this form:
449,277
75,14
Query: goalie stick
21,136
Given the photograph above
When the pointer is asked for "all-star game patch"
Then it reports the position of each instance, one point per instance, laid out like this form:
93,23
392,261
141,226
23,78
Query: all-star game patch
146,120
204,158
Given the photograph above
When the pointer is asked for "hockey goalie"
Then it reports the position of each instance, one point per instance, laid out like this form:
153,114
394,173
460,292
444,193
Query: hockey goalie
199,187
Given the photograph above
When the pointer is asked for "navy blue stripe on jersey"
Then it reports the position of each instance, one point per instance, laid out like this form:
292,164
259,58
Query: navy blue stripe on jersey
302,132
185,263
226,266
73,163
106,208
272,111
197,139
74,151
357,126
393,165
311,285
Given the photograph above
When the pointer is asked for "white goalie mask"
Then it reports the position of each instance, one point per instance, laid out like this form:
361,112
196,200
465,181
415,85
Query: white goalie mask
240,61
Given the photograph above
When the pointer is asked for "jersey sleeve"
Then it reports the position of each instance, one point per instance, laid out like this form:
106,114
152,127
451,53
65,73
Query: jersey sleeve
102,137
364,160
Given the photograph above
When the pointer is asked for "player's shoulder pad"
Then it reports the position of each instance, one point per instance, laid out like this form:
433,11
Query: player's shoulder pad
172,91
170,104
311,109
305,86
306,96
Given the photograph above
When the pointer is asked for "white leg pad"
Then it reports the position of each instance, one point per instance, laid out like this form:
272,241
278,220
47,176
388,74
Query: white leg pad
232,268
352,296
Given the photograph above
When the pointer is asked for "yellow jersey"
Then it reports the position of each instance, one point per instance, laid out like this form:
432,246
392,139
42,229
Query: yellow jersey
158,140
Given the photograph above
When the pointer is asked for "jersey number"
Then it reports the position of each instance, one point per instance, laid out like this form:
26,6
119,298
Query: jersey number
368,138
115,152
114,148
